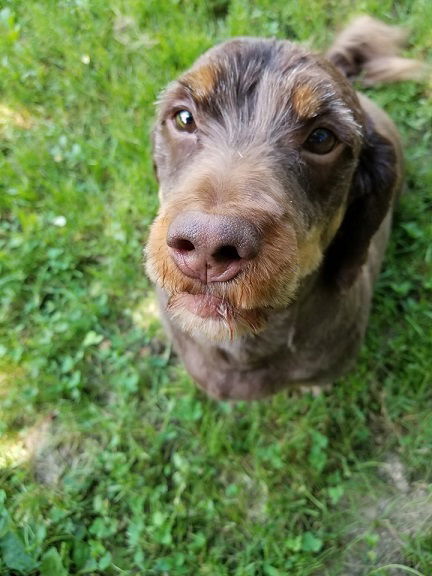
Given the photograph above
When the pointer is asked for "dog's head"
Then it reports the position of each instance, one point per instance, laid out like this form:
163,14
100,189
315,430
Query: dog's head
261,151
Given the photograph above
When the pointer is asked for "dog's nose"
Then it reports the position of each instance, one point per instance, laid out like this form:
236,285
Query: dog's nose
212,247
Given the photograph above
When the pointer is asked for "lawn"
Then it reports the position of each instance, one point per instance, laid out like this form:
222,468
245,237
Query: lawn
111,461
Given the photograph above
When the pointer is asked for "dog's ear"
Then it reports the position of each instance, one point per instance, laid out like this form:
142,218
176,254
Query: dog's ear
370,198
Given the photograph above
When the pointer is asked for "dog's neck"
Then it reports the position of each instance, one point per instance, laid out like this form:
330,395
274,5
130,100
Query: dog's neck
281,326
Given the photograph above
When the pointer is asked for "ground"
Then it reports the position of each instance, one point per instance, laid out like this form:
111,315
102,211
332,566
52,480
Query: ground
111,461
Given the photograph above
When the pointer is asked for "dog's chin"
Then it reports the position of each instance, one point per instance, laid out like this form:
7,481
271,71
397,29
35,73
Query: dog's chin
205,315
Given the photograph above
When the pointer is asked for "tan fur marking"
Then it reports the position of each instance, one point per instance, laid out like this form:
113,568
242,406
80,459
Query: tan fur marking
330,230
310,251
202,81
305,101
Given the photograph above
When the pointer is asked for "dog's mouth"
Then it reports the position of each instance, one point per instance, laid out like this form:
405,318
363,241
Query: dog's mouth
203,305
214,316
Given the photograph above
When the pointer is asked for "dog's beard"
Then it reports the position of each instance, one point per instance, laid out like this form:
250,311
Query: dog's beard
227,311
224,311
214,318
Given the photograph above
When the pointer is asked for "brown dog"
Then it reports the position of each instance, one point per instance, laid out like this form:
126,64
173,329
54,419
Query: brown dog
277,184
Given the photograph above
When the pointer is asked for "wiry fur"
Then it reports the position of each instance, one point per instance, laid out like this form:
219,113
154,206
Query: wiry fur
297,311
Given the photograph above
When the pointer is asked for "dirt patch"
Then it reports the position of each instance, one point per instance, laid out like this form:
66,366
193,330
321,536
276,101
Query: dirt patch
381,521
16,118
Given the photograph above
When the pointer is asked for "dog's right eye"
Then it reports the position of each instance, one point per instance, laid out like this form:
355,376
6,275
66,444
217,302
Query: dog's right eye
321,141
184,121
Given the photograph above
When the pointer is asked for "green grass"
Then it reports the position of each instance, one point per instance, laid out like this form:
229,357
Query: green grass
111,462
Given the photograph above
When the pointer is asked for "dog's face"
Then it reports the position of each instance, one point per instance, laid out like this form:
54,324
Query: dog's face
255,149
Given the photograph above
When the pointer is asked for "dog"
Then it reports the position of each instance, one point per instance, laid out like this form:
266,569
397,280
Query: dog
277,183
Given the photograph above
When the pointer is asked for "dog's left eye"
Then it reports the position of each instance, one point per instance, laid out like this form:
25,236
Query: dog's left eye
184,121
321,141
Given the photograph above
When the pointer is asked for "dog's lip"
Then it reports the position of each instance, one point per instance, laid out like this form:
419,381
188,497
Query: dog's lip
204,305
209,307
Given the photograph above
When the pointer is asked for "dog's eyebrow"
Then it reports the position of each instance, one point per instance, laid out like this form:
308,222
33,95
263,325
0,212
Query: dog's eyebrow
200,82
310,102
306,101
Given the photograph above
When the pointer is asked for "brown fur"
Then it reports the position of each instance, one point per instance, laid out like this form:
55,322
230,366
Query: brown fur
298,310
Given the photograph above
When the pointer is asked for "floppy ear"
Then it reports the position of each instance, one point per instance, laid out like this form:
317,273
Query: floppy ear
370,198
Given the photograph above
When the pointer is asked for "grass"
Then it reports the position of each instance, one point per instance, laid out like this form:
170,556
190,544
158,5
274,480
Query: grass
111,462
